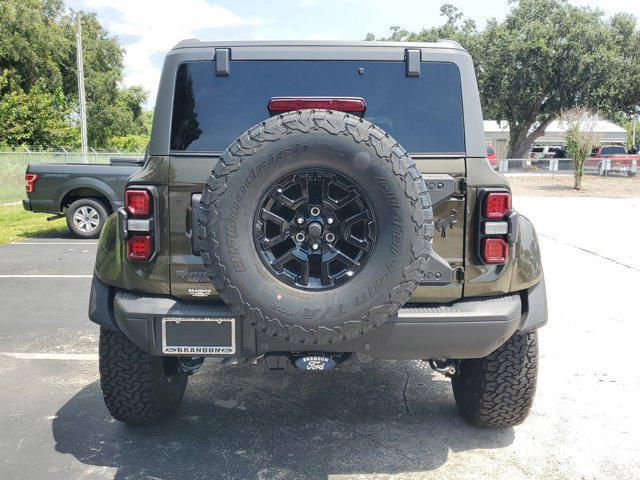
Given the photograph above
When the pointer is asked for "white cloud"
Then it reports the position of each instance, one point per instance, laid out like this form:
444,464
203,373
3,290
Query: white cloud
158,25
308,3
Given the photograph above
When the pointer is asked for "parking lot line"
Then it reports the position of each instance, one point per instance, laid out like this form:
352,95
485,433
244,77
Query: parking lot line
51,356
46,276
53,243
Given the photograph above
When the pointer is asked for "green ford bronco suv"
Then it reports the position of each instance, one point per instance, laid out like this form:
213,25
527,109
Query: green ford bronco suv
304,201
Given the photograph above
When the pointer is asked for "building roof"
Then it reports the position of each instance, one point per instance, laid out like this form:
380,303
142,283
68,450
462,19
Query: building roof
495,126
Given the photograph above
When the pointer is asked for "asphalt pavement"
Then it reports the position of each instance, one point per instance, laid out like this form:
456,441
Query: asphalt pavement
364,420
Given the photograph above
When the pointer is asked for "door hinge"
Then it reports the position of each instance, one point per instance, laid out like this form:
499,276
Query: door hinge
223,61
461,188
459,275
412,61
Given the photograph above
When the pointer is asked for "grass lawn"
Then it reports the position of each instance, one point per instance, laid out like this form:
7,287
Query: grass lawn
17,224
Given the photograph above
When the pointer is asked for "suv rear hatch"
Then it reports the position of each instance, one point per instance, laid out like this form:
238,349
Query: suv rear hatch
422,110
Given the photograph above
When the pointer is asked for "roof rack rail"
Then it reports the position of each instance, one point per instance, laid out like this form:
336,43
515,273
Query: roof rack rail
452,43
187,42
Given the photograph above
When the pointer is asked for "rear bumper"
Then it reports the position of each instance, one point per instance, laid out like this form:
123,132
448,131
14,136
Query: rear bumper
470,328
40,206
623,169
609,165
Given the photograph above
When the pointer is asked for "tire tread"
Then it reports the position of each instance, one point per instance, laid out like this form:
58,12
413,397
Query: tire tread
334,123
129,378
498,390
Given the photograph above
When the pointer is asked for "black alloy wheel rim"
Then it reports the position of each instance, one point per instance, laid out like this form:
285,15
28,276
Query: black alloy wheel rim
314,229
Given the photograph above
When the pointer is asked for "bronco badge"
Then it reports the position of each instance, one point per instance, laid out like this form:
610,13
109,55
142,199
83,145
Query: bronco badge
447,222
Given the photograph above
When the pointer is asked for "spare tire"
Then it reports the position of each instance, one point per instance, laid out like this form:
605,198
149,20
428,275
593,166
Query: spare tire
316,226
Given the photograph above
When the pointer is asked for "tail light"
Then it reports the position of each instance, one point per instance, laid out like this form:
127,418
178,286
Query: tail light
497,225
29,181
494,250
140,223
496,204
138,203
344,104
139,247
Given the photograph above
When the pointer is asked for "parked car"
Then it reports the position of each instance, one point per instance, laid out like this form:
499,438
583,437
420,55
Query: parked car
84,193
607,159
491,156
559,151
278,222
541,153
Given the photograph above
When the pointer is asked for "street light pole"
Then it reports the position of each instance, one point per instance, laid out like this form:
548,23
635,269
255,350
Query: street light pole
81,97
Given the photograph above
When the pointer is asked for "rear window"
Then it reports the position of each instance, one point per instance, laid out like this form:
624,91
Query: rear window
613,150
423,113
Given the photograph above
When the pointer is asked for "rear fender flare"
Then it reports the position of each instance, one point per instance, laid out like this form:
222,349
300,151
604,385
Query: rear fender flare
85,182
527,261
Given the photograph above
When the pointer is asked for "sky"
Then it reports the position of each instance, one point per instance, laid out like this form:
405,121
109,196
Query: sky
147,29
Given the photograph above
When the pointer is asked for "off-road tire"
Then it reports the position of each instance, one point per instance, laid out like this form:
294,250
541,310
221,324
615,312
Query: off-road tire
135,385
255,161
498,390
97,205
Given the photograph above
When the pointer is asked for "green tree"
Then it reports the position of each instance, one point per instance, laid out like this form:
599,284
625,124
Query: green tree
147,121
129,143
33,43
456,27
622,61
627,122
580,138
111,110
546,57
37,45
37,117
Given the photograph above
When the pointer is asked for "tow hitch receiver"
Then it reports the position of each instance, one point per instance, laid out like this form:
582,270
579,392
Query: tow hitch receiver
315,362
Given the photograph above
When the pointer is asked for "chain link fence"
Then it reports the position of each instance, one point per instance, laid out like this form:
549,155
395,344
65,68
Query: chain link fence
560,166
13,165
532,166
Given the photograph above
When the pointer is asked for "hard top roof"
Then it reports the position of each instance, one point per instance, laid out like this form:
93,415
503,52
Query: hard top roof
443,51
195,43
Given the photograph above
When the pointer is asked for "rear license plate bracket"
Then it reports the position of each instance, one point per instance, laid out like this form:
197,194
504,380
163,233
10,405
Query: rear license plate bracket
198,336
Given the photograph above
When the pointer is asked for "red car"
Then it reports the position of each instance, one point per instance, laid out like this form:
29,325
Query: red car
612,158
491,156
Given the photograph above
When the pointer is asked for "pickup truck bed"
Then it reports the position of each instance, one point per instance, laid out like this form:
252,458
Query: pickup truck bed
54,187
608,159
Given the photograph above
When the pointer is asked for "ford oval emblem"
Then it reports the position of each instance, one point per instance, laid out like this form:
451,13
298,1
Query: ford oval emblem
315,362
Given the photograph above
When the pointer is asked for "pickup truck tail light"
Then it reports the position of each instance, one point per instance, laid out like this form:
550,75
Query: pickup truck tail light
138,203
497,226
140,247
29,182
